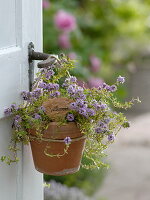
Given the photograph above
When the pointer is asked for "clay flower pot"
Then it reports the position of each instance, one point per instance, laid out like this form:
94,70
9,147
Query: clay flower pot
49,153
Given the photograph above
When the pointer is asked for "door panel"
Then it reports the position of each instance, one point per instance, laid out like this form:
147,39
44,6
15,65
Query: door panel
7,24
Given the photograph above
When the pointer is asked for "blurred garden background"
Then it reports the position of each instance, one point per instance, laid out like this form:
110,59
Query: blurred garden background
107,38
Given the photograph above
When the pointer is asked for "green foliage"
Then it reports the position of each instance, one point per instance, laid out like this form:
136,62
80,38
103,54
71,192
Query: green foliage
115,31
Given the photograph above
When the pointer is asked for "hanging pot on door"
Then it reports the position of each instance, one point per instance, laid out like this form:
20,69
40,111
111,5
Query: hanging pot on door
48,116
55,156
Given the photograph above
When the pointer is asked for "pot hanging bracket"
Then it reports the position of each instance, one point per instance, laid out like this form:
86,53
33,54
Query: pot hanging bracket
47,60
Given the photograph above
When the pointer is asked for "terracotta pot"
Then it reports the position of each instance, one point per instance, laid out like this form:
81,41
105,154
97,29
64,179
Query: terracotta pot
53,144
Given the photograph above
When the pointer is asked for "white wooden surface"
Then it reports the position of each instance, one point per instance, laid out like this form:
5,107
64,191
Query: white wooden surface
20,23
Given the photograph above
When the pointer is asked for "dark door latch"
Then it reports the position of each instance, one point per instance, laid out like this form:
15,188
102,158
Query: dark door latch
47,60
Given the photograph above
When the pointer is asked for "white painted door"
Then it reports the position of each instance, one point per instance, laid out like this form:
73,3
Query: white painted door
20,23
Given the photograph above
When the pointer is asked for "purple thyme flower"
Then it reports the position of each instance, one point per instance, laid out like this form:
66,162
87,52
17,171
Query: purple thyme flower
42,108
82,111
73,79
64,85
104,85
43,85
107,87
17,117
113,88
103,106
71,89
56,86
121,79
36,116
36,93
111,137
16,124
107,120
67,140
17,120
80,89
25,95
98,130
55,94
50,87
14,107
90,111
73,106
49,74
82,96
102,124
70,117
80,103
7,111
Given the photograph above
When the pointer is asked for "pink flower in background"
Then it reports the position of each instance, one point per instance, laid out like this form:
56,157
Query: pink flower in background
95,82
65,21
46,4
72,55
64,41
95,63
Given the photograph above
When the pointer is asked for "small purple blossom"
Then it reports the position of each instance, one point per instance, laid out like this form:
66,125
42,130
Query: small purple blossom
90,111
36,93
18,117
111,137
55,94
82,96
67,140
49,74
103,106
17,120
113,88
73,106
42,108
36,116
107,120
70,117
71,89
98,130
56,86
7,111
104,85
14,107
43,85
81,103
64,85
82,111
50,87
121,79
16,124
102,124
73,79
25,95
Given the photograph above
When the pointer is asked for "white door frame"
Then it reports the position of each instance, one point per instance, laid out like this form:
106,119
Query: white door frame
28,27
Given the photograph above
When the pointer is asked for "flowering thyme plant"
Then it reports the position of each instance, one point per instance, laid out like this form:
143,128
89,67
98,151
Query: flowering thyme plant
90,109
